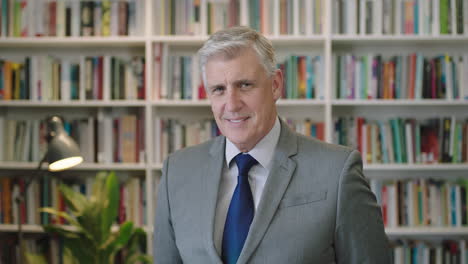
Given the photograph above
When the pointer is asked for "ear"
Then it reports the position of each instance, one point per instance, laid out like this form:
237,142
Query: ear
277,84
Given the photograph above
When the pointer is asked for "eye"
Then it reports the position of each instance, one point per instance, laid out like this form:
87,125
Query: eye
217,89
246,85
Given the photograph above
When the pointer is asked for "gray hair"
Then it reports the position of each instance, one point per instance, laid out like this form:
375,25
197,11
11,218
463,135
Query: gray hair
231,41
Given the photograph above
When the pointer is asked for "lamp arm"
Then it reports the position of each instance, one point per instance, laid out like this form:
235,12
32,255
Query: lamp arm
37,171
20,200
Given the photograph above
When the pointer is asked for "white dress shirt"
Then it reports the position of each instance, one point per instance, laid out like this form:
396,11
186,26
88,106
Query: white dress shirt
258,174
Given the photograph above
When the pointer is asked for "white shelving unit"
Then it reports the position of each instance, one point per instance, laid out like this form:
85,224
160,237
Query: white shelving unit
325,110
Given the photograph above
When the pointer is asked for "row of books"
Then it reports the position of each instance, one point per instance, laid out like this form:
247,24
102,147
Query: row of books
60,18
102,139
25,140
50,247
176,76
303,77
412,76
44,192
414,17
405,140
425,252
113,138
187,17
181,17
184,78
180,77
48,78
287,17
173,134
307,127
422,202
222,14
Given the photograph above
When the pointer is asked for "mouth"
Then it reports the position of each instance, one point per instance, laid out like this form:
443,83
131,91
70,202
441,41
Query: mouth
237,120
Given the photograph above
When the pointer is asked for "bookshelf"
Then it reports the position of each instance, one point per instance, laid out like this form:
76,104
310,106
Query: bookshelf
318,39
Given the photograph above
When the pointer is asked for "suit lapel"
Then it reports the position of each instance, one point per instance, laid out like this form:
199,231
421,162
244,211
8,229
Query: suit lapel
210,186
276,184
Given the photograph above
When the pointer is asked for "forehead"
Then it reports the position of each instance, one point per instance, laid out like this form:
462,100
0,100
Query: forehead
245,64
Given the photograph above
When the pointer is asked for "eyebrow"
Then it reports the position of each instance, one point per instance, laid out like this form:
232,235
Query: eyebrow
236,83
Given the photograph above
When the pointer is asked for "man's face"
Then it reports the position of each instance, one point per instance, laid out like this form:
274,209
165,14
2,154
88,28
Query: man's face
242,97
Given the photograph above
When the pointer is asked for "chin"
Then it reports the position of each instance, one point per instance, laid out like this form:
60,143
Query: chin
237,139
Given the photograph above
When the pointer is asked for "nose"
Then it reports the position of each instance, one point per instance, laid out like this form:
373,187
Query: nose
233,101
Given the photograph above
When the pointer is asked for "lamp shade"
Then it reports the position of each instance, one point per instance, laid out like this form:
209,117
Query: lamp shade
62,151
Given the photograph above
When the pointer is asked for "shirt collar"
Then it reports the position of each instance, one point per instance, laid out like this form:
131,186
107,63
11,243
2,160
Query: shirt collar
262,152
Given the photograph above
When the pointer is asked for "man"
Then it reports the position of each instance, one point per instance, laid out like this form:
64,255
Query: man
262,193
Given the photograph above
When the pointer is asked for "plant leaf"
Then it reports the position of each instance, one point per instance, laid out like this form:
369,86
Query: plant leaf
68,257
34,259
61,231
125,232
138,258
67,217
90,221
74,200
80,250
93,215
98,190
110,208
133,247
119,239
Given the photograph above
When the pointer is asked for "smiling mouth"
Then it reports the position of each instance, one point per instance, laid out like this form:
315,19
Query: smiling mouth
237,120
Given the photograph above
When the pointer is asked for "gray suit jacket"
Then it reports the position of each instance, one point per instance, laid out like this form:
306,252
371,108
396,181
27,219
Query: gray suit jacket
316,207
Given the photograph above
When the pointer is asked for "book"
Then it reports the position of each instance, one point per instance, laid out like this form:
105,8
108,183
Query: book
87,21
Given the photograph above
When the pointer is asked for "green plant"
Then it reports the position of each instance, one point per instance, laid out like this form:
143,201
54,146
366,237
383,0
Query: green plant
91,238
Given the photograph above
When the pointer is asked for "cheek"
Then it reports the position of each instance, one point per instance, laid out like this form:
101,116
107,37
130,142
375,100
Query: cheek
214,109
217,114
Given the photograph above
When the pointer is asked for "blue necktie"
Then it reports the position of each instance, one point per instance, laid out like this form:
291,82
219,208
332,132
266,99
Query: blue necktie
240,212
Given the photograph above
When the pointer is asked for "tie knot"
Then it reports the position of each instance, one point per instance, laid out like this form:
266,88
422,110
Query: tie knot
244,163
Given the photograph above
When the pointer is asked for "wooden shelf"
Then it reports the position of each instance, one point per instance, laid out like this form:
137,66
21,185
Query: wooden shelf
426,231
392,167
398,39
114,41
396,231
299,102
4,228
206,103
74,103
186,40
399,102
84,166
25,228
156,166
416,167
179,103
